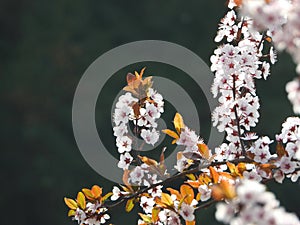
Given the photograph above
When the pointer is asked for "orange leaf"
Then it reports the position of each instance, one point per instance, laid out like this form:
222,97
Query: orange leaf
204,151
194,184
238,2
228,189
204,179
187,192
241,167
175,192
231,167
148,161
162,156
142,72
214,174
190,222
198,196
268,39
217,193
96,191
227,175
178,123
70,203
88,194
223,190
171,133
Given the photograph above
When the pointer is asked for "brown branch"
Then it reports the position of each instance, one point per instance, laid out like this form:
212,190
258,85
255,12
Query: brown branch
175,177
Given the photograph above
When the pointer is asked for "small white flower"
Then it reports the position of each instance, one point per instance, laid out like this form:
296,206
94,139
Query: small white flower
120,130
136,175
116,193
147,204
122,114
124,144
188,138
79,215
273,55
187,212
286,165
252,175
205,192
125,160
150,137
265,70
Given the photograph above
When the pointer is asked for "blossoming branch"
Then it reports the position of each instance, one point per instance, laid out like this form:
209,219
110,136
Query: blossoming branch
233,175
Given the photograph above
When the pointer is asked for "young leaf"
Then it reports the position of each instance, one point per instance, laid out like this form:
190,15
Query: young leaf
166,199
70,203
198,196
97,191
241,167
214,174
190,222
194,184
81,200
155,212
145,218
280,150
204,151
191,176
175,192
71,212
228,189
187,192
88,194
204,179
105,197
171,133
148,161
178,123
129,205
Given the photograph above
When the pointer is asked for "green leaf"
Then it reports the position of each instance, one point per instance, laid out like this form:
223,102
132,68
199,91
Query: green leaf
145,218
129,205
81,200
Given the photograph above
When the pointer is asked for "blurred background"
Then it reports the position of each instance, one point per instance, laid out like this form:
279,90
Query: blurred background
45,47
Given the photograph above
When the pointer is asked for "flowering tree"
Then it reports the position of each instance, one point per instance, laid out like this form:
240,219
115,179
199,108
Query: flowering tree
233,175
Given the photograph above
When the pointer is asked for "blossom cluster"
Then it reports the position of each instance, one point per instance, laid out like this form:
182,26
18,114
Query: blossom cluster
169,209
88,208
142,106
236,64
254,205
229,174
281,18
289,164
194,152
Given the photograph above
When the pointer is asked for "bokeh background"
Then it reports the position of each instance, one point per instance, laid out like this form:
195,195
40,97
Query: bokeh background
45,47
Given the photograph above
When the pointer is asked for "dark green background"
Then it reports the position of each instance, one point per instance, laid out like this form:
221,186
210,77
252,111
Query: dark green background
45,46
